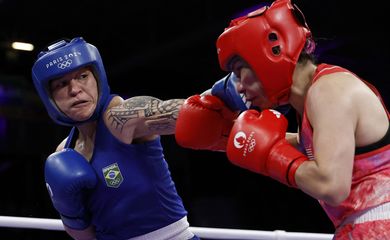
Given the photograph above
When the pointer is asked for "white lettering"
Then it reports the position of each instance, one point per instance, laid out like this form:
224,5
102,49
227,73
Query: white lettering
60,59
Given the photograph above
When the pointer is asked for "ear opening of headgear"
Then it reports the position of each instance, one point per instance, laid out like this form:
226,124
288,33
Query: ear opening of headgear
270,40
63,57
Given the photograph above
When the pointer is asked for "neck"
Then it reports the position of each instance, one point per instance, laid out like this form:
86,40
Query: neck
87,131
86,139
302,78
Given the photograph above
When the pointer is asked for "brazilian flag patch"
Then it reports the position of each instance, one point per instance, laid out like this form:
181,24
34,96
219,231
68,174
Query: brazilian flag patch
113,176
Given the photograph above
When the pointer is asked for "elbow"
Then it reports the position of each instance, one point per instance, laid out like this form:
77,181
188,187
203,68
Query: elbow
325,184
334,192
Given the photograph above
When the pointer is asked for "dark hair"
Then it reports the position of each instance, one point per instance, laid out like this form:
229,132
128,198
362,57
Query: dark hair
307,53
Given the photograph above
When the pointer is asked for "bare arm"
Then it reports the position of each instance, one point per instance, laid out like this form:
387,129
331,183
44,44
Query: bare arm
332,111
143,116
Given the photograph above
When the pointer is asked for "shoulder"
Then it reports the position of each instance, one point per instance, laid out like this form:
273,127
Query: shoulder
115,101
334,97
335,87
123,117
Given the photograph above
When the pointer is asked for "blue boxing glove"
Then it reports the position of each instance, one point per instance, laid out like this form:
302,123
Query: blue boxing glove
226,90
68,177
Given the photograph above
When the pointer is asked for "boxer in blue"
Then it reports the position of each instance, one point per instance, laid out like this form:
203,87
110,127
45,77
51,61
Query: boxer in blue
108,179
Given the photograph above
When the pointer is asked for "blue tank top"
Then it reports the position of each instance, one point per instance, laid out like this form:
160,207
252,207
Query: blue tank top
135,194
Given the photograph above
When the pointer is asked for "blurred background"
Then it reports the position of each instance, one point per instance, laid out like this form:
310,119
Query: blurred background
166,49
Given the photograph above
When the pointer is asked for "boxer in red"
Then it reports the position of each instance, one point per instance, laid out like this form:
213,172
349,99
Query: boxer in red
341,153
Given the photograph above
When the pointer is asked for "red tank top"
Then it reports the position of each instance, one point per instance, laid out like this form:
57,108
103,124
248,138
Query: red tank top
371,170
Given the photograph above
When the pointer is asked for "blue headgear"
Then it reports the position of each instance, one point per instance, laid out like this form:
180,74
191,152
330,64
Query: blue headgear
61,58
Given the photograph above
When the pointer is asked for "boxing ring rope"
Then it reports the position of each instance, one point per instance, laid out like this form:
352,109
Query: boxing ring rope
209,233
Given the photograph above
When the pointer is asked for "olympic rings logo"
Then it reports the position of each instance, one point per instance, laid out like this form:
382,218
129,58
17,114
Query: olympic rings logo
65,64
252,145
115,181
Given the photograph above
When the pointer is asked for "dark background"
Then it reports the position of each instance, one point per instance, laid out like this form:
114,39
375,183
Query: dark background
166,49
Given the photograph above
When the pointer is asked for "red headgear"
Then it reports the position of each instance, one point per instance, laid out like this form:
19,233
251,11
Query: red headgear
270,40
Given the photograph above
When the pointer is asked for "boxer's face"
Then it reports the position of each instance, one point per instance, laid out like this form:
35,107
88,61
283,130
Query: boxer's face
250,85
76,93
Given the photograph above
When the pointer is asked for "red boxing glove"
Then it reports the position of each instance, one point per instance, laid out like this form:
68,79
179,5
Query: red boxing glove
204,123
257,142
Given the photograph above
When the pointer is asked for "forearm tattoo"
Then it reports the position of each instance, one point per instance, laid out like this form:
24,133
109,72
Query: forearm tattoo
160,115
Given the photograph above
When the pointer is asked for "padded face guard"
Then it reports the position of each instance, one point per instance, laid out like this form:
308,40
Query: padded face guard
270,40
61,58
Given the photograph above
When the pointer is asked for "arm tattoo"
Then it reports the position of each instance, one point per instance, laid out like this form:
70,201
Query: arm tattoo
164,120
149,108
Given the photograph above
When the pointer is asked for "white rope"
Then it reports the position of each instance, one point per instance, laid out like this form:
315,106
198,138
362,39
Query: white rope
210,233
36,223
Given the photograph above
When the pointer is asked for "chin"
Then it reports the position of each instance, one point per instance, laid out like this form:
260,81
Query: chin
81,118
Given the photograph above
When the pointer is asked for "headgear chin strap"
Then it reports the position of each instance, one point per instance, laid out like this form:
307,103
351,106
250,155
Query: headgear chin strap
61,58
270,40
